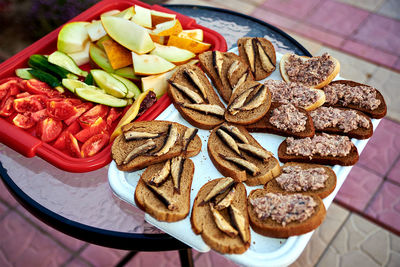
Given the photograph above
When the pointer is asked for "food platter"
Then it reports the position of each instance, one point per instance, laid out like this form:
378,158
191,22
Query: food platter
263,251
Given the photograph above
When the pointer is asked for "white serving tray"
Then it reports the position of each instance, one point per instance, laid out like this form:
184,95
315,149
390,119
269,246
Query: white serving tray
263,251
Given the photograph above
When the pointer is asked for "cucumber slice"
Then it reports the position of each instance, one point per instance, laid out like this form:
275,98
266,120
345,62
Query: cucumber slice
127,72
89,79
63,60
23,73
47,78
41,62
72,84
133,90
110,84
100,98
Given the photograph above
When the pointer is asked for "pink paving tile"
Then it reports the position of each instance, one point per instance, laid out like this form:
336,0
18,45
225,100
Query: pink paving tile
386,206
396,66
102,256
358,188
6,196
324,37
212,258
21,244
77,263
70,242
159,259
380,32
274,19
3,209
394,173
293,8
369,53
337,17
383,148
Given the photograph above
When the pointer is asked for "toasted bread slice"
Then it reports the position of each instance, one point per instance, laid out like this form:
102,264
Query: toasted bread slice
216,65
203,222
319,82
196,118
329,185
350,159
218,149
259,54
150,202
272,228
121,148
359,133
377,113
265,126
248,104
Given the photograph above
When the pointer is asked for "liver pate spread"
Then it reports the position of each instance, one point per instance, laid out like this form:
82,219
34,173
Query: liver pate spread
296,179
324,145
310,72
346,120
288,118
284,208
295,93
343,94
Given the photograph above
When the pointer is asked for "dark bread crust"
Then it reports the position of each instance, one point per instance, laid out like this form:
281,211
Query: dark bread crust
203,223
246,117
377,113
260,73
216,146
271,228
330,183
147,201
348,160
264,126
120,147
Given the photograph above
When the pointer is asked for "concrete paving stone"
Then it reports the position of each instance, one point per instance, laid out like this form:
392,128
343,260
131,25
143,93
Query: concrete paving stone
335,217
387,82
159,259
385,207
277,20
297,9
361,243
192,2
312,46
325,37
359,187
3,210
244,7
212,258
370,5
390,8
336,17
102,256
6,196
394,173
396,65
77,262
385,33
22,244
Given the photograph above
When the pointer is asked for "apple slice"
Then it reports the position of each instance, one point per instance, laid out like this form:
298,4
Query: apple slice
128,73
110,84
133,90
81,57
167,28
142,16
72,37
158,17
128,34
98,58
196,34
172,54
189,44
150,64
159,83
95,30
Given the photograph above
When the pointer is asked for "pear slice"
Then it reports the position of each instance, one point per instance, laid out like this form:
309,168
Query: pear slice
98,96
133,90
128,73
110,84
142,16
173,54
128,34
72,37
150,64
72,84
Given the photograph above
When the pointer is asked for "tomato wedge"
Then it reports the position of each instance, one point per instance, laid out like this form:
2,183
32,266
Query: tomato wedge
6,108
94,144
60,110
23,121
72,145
30,103
49,129
60,143
99,126
39,115
37,87
90,116
113,115
9,88
80,109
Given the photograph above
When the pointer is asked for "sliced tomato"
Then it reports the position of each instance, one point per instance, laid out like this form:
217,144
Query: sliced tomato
6,107
90,116
49,129
30,103
60,110
74,128
17,79
39,115
82,108
72,145
94,144
74,101
113,115
99,126
22,95
23,121
11,87
37,87
60,142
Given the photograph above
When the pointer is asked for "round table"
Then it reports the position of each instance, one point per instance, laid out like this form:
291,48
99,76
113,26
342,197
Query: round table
82,205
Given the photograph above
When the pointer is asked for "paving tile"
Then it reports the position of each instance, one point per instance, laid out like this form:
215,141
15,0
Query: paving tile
385,207
380,32
370,5
212,258
192,2
361,243
369,53
337,17
6,196
359,187
22,244
244,7
77,262
394,173
293,8
3,210
102,256
335,217
396,65
327,38
274,19
312,46
159,259
391,8
382,149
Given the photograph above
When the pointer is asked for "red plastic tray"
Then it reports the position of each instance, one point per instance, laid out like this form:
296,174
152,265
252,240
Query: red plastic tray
28,145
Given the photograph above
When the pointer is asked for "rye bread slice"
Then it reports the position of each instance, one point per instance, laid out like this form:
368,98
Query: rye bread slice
330,183
377,113
359,133
271,228
121,148
221,83
149,202
348,160
245,117
195,118
216,148
203,222
268,47
264,125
